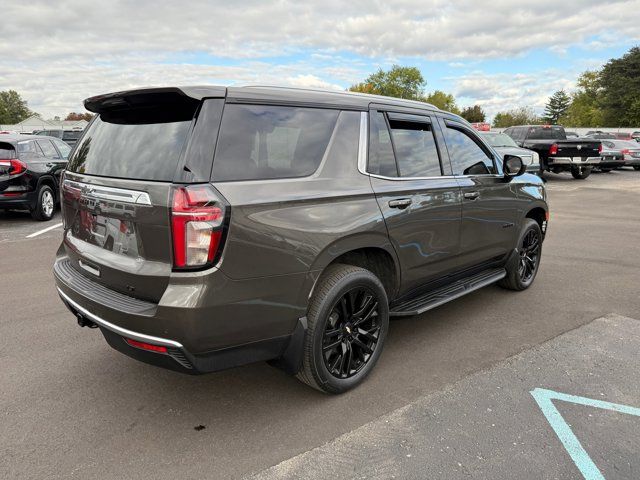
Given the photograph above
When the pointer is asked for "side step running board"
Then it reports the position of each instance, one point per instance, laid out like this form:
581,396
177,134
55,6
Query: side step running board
435,298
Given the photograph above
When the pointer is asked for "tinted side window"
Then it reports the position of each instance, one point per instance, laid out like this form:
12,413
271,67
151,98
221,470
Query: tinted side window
515,133
48,149
29,148
467,157
415,147
266,142
63,148
381,159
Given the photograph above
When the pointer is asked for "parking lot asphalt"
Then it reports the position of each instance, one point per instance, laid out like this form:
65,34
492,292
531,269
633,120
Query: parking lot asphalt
71,407
502,423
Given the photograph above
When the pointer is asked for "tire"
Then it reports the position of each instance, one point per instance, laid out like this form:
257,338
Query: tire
580,173
515,279
46,204
331,341
606,170
636,167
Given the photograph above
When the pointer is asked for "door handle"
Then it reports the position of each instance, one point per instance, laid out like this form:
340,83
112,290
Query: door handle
471,195
400,203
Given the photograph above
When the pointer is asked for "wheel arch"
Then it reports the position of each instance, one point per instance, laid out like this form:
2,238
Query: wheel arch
49,181
371,251
539,214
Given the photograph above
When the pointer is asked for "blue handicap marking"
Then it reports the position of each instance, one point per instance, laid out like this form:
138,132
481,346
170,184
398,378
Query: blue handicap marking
570,442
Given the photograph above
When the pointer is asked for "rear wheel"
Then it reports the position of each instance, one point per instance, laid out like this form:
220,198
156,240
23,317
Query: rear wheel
580,173
605,170
523,266
348,319
636,167
45,205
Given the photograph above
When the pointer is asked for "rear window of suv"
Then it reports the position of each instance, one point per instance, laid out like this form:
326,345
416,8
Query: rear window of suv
259,142
141,145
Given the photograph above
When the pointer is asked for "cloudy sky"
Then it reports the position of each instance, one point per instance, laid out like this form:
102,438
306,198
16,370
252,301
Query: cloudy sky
500,54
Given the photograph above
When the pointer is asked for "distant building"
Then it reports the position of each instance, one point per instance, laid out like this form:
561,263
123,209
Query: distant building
34,122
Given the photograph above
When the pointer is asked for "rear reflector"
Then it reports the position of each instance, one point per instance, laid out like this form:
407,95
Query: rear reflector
146,346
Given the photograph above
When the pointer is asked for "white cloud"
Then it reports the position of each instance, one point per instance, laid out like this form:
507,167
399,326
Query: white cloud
57,53
500,92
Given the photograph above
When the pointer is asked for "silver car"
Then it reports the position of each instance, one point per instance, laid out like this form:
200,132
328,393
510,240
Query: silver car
505,145
630,150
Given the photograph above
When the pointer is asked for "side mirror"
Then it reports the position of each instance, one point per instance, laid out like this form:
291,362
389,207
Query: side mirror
513,166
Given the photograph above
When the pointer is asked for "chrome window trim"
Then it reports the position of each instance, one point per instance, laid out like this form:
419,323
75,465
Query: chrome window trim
110,193
363,148
445,177
141,337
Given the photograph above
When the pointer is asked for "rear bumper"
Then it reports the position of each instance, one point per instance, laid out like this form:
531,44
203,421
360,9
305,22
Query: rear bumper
187,332
611,163
25,200
632,162
574,161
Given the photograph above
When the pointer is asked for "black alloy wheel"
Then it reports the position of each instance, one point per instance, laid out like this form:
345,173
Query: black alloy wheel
351,333
347,324
529,256
523,265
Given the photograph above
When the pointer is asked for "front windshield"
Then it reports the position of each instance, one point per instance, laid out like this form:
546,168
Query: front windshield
500,140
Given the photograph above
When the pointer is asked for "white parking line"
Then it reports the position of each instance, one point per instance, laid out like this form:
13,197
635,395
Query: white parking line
44,230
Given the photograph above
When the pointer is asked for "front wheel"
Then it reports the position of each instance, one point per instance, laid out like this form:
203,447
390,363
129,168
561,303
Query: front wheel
348,319
636,167
580,173
523,265
606,170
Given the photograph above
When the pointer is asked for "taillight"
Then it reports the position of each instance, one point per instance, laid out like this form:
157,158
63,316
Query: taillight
600,148
553,149
15,166
626,151
197,224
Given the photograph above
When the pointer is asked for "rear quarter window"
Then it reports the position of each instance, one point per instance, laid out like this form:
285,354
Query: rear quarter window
260,142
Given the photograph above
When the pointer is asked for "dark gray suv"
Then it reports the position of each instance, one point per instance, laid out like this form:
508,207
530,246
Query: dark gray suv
208,227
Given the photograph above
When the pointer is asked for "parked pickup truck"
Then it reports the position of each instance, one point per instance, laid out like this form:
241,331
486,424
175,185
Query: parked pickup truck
558,154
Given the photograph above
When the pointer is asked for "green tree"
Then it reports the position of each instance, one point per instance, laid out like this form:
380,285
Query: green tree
585,110
473,114
13,109
442,100
619,82
517,116
400,82
557,107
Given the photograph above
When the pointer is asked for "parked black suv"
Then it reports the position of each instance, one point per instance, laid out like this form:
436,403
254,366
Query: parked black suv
557,152
30,169
209,227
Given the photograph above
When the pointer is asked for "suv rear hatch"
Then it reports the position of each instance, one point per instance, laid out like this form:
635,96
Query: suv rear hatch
119,186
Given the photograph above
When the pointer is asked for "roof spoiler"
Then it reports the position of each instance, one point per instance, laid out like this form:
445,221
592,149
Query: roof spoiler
169,96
